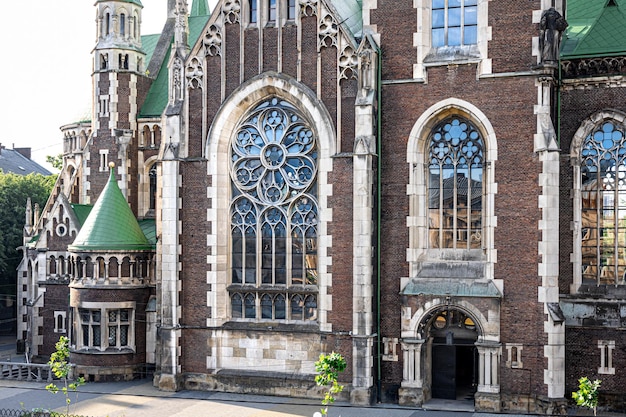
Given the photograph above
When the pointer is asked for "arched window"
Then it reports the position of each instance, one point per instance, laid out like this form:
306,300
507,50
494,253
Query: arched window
454,22
603,205
123,24
274,212
455,185
153,186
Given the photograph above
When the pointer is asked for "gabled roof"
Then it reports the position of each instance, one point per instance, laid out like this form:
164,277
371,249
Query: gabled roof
12,161
596,28
111,225
157,96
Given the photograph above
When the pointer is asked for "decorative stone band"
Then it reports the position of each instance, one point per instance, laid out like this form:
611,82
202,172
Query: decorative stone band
587,67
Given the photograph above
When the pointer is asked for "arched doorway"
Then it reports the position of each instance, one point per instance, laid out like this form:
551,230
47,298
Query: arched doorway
451,335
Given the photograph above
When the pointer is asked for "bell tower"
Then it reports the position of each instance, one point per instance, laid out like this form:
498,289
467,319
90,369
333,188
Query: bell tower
118,70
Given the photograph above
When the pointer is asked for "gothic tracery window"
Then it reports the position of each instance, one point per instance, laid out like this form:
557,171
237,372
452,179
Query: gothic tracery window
274,215
455,185
603,217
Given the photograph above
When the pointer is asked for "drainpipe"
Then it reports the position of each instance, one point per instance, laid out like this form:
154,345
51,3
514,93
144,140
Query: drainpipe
378,219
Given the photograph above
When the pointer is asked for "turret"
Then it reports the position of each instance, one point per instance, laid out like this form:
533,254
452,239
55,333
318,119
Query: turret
119,36
119,66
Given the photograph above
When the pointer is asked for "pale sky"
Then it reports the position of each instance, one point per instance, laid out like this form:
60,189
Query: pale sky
45,75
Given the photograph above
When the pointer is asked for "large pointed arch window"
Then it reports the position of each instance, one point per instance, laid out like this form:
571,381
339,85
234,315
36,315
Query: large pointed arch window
274,215
455,185
603,205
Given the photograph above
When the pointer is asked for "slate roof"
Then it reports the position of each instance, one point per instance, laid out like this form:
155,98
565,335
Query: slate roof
596,29
12,161
111,225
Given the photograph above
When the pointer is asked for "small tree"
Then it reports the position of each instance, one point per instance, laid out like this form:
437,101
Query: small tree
328,368
61,369
587,394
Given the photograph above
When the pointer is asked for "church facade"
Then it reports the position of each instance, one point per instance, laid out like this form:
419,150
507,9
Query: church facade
431,188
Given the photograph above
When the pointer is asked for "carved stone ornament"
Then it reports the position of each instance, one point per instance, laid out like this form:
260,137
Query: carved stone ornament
171,150
364,145
328,29
366,80
195,73
308,8
213,41
177,75
594,67
348,63
231,11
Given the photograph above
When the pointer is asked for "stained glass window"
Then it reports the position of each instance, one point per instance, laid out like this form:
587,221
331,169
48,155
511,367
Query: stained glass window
274,212
455,185
603,191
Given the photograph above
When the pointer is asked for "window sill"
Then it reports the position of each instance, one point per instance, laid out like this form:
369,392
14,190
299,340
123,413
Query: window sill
108,351
447,55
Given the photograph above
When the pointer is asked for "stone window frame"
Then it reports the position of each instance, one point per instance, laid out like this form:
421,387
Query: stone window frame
586,128
417,191
427,56
104,160
60,321
514,355
606,357
216,151
104,308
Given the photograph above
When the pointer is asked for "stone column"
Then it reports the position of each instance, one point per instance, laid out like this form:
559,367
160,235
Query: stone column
362,240
411,392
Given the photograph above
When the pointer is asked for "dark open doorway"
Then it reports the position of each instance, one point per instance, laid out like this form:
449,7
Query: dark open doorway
454,357
454,370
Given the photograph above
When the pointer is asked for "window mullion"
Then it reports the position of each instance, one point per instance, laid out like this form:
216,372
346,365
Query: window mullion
599,198
455,204
445,24
441,208
616,225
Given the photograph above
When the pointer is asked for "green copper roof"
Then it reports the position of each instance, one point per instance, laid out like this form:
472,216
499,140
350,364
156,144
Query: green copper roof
157,96
82,212
351,14
452,287
148,44
199,8
111,225
596,28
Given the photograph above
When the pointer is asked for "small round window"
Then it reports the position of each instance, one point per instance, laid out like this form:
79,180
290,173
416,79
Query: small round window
61,230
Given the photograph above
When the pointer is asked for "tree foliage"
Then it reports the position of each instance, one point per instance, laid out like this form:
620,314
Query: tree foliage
587,394
328,368
14,192
62,369
55,160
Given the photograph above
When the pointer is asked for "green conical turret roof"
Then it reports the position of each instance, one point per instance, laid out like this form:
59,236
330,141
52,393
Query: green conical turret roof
199,8
111,225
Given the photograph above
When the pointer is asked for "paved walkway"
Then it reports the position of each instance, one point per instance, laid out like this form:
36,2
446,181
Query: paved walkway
141,399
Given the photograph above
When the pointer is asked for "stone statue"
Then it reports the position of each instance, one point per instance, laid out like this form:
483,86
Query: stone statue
551,27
